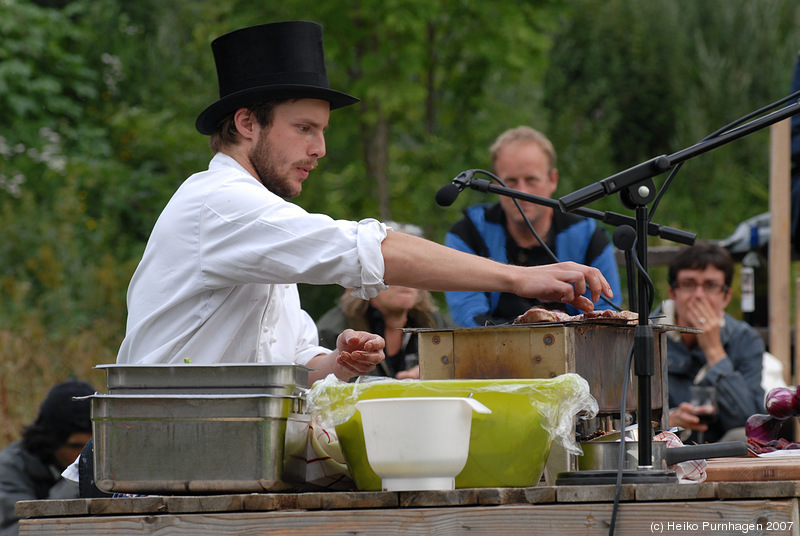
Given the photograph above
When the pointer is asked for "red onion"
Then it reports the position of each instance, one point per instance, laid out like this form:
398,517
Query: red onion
781,402
763,427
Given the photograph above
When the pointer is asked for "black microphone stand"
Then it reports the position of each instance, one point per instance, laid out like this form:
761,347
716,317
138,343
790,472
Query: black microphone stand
636,189
636,196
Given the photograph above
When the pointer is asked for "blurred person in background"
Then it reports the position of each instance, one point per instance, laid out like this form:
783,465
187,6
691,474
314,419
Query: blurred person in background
30,468
728,354
386,314
525,160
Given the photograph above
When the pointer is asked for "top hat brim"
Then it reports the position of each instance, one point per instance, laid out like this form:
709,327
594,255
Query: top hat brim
208,120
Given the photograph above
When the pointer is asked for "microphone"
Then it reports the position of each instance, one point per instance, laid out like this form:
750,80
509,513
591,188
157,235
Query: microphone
624,238
447,194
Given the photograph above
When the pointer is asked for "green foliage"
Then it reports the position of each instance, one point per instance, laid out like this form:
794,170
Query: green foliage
629,81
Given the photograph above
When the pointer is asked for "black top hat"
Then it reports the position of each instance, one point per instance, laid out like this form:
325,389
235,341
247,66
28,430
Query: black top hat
266,62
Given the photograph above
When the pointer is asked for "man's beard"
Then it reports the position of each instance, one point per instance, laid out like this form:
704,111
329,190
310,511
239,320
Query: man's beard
266,167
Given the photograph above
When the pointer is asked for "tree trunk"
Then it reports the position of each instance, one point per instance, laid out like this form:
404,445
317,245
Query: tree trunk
375,142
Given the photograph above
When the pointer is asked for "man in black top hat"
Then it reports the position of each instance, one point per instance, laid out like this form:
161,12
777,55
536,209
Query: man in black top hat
217,279
30,468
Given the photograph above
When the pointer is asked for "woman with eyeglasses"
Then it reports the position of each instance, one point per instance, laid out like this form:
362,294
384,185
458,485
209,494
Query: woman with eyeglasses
727,355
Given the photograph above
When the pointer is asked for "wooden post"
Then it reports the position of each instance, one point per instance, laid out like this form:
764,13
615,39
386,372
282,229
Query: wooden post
780,338
793,379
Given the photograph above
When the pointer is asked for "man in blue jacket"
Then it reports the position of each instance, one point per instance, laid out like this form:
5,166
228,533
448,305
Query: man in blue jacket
525,160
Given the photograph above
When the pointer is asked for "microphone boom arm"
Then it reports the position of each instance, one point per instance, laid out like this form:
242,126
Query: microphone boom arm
611,218
656,166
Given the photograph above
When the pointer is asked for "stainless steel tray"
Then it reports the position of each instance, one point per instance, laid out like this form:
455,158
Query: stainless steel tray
186,444
233,378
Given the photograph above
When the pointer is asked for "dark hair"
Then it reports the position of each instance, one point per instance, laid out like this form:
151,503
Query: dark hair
699,256
59,417
43,441
226,134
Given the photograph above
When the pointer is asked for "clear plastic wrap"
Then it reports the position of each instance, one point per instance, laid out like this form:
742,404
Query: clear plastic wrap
507,448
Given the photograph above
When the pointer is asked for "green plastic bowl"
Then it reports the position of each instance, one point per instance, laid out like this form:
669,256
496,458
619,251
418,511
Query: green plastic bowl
507,448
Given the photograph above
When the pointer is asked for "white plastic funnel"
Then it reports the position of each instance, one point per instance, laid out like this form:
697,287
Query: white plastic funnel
418,443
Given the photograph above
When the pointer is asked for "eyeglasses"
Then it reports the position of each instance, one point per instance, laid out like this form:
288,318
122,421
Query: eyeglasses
709,287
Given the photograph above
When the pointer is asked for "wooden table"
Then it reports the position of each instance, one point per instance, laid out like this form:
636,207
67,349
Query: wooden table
748,469
710,508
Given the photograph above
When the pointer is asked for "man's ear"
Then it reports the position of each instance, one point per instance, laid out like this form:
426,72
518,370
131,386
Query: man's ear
553,175
245,123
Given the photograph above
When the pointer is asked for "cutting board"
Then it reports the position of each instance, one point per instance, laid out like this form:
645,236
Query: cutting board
753,469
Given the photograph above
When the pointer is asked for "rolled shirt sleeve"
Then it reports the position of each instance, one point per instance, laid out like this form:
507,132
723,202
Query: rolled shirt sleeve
368,243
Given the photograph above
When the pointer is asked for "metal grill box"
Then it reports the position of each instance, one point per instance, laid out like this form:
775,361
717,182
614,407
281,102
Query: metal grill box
597,352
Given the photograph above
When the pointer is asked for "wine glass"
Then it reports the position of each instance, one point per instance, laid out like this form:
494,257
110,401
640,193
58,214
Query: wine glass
704,398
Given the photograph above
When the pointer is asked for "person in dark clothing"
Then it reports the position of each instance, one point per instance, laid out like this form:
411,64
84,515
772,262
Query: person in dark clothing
727,355
30,468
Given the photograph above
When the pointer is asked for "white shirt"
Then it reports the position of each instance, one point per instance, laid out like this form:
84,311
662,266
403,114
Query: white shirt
217,279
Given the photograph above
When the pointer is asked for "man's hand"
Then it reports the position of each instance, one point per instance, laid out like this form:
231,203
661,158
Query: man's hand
685,416
359,351
565,282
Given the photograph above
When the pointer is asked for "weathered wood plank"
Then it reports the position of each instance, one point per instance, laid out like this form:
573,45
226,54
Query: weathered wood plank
364,500
698,517
497,496
682,492
53,508
753,469
737,490
600,493
212,503
138,505
456,497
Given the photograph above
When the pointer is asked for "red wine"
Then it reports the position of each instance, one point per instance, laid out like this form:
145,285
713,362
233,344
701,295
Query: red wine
706,414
